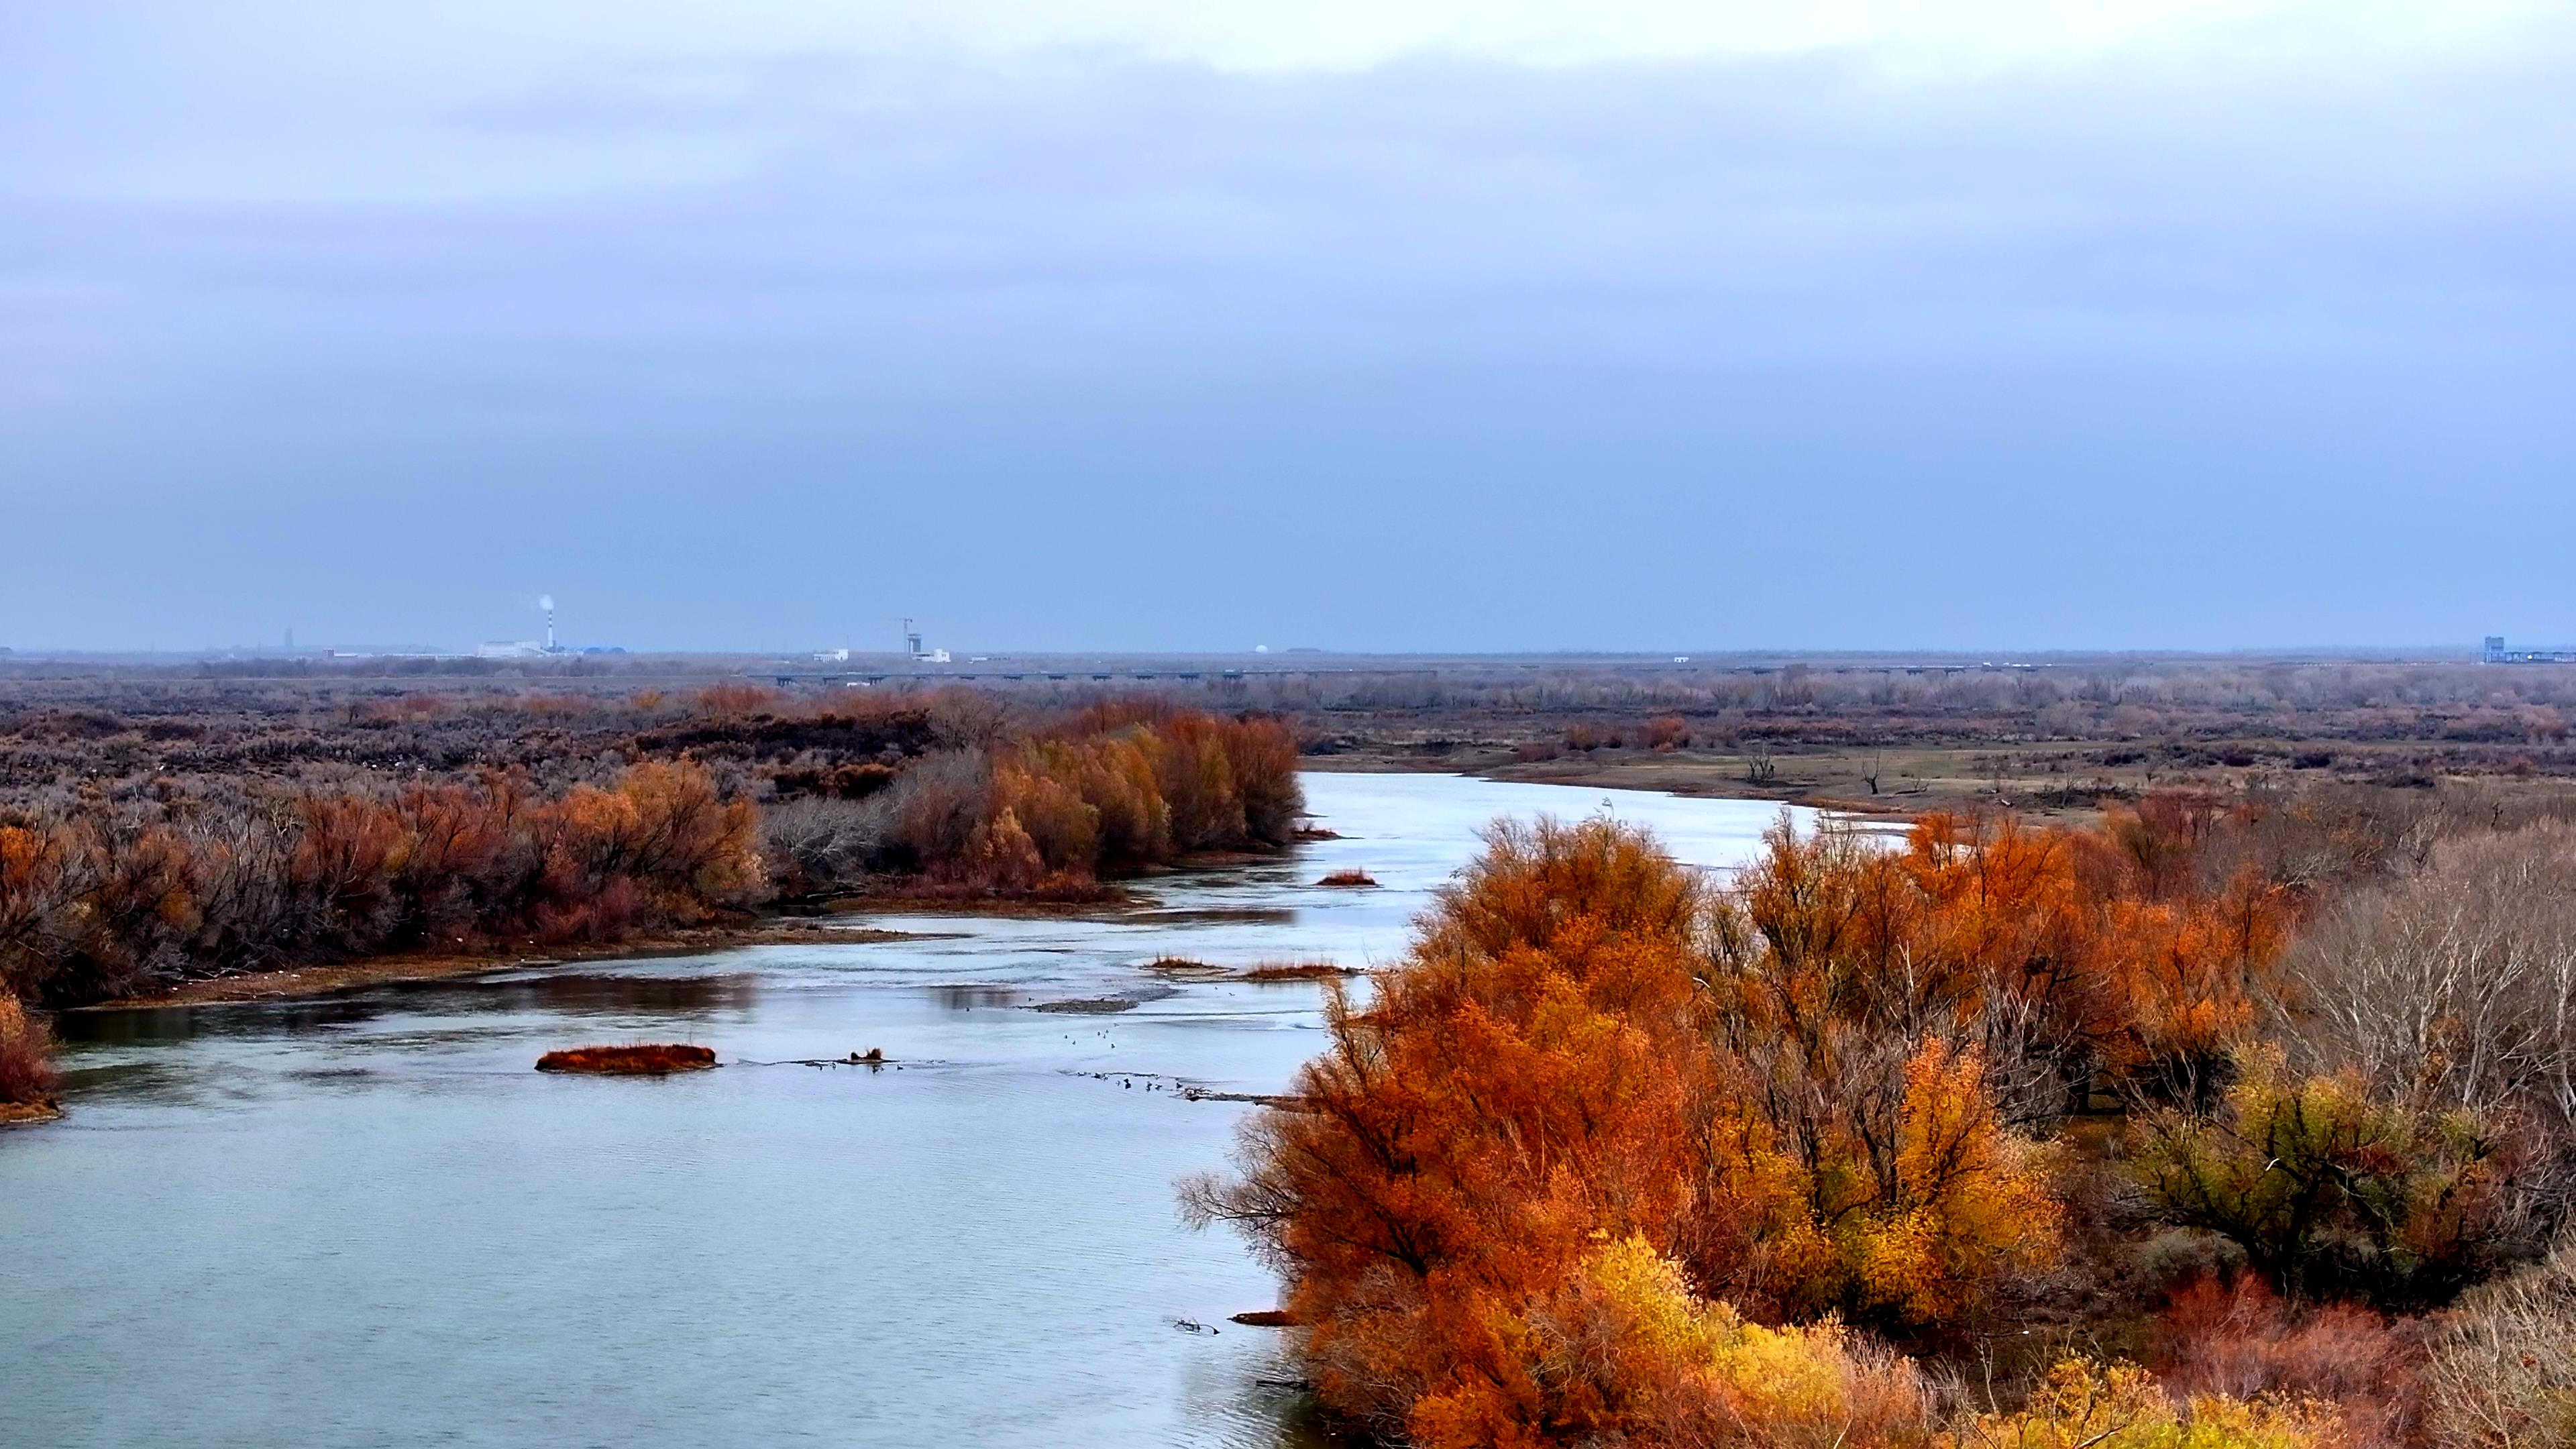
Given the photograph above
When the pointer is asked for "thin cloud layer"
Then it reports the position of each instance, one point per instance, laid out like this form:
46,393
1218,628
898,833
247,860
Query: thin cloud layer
1577,309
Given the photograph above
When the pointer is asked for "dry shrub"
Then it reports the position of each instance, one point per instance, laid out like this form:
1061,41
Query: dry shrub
1348,878
1625,1352
2237,1338
733,698
2082,1405
1665,733
2503,1370
26,1057
99,903
2330,1189
2454,988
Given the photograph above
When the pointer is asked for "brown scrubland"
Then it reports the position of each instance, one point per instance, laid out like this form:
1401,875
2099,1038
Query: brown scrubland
152,836
2220,1122
2062,737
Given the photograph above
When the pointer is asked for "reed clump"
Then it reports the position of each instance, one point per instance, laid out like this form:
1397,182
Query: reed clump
649,1059
1297,971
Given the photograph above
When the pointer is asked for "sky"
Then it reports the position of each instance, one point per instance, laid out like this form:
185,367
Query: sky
1385,325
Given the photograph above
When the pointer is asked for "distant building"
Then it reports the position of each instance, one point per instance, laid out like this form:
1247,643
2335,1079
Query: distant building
2494,652
510,649
831,656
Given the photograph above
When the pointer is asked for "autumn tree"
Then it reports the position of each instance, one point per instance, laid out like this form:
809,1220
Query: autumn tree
2331,1190
1514,1095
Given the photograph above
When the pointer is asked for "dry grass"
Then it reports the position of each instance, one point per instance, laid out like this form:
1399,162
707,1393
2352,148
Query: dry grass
1297,971
650,1059
1348,878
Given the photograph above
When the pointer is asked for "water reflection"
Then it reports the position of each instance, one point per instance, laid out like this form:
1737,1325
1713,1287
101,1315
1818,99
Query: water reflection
570,994
244,1019
587,993
969,997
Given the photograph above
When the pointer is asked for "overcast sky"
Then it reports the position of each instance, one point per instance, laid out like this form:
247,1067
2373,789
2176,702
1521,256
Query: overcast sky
1371,324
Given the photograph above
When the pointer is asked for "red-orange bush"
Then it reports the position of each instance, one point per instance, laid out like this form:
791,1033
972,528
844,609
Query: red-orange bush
2236,1337
1116,790
1515,1094
26,1057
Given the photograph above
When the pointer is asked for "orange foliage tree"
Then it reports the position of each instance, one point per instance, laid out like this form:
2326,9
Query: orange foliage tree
1516,1095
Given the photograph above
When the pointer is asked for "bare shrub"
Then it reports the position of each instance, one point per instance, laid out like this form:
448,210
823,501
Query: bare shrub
816,843
2454,988
2503,1370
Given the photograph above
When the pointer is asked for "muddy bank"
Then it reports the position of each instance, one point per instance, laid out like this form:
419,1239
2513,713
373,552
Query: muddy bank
1113,903
381,970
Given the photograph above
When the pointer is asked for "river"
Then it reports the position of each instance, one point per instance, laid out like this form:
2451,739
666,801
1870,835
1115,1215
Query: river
363,1220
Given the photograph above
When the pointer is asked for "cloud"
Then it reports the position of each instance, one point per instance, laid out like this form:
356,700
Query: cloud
2265,253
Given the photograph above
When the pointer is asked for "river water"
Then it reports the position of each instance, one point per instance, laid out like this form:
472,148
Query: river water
363,1220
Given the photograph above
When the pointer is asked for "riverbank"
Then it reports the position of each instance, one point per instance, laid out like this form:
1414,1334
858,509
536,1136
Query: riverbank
1879,787
819,927
1814,782
295,981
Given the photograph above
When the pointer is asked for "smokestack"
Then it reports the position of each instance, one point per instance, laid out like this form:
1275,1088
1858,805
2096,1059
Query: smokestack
547,603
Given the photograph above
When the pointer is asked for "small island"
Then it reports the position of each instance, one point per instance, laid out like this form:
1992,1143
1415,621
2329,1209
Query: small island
646,1060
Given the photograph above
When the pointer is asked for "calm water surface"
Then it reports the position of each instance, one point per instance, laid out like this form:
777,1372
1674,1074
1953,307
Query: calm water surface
364,1220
